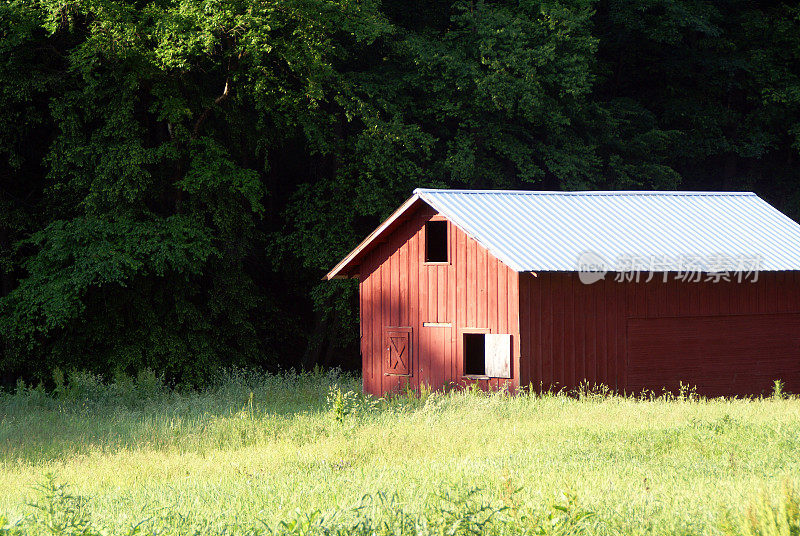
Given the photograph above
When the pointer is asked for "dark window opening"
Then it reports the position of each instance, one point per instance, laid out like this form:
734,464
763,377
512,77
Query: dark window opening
474,354
436,241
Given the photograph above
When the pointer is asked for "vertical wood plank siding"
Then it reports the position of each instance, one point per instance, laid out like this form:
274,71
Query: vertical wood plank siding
571,332
398,289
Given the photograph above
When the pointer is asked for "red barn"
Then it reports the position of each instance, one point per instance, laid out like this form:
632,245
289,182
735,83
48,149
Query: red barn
633,290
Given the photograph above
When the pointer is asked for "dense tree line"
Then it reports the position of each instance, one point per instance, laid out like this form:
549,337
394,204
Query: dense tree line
176,175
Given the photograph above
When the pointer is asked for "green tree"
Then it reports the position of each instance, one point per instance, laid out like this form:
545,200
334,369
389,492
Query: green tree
717,81
164,115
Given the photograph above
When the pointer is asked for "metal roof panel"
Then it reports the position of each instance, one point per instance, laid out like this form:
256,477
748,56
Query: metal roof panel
551,231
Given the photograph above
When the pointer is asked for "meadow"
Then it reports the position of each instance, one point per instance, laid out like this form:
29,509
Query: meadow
308,454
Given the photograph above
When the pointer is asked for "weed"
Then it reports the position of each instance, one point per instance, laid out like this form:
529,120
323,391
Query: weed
7,529
769,517
345,404
778,392
60,512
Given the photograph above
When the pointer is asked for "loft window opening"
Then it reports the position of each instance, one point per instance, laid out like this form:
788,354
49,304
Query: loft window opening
474,354
436,241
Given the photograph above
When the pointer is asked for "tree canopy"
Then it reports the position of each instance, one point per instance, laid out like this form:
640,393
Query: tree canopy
176,175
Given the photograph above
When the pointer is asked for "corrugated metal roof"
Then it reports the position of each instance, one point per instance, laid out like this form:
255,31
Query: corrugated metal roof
553,231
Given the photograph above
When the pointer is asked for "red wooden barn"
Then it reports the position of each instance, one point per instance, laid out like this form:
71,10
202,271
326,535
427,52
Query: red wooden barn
633,290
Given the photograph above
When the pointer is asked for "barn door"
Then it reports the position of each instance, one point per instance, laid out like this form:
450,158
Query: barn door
397,351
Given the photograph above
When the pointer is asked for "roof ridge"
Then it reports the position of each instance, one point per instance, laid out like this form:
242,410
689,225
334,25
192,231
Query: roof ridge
673,193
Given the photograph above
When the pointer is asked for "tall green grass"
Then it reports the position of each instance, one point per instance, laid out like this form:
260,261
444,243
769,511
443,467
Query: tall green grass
308,454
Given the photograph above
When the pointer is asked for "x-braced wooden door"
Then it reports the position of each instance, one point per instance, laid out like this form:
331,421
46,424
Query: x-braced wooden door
397,351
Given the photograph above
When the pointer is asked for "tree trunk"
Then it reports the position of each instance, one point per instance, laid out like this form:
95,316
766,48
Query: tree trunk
316,343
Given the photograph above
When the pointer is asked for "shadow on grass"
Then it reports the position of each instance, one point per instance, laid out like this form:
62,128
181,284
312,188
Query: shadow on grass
84,414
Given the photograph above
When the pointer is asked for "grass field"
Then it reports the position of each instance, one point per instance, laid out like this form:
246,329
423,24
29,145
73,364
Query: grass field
304,454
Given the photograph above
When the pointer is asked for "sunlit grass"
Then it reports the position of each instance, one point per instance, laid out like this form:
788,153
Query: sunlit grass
261,450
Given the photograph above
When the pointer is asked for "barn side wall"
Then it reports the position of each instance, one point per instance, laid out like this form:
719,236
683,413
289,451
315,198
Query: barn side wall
396,288
572,332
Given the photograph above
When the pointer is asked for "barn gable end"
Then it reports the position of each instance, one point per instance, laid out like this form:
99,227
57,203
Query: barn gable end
436,303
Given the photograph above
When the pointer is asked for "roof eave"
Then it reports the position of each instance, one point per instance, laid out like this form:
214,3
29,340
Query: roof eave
340,270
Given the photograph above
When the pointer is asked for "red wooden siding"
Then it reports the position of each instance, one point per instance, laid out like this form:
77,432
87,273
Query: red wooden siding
724,355
630,336
399,290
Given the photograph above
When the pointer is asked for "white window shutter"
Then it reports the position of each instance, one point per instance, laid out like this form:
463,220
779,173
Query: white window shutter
498,356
